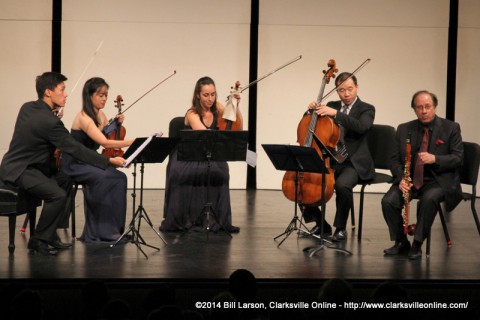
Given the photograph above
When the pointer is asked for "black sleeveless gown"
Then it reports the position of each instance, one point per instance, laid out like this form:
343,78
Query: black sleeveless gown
186,194
105,195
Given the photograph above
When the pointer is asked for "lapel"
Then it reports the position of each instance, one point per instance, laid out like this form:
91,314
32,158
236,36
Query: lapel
415,139
354,111
436,131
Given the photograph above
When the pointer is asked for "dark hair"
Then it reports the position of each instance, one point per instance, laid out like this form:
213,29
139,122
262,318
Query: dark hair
434,98
91,86
48,80
343,77
196,100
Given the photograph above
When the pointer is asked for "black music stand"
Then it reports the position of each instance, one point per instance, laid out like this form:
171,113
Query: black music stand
339,158
298,159
212,145
150,150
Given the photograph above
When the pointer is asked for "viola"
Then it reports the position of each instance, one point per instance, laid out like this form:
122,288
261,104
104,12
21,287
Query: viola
309,190
117,134
228,119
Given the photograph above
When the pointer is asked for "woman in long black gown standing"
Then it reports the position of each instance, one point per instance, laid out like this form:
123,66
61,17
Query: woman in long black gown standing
105,191
186,181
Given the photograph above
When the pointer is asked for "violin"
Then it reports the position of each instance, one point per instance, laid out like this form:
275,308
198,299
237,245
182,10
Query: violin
57,154
117,134
310,185
228,119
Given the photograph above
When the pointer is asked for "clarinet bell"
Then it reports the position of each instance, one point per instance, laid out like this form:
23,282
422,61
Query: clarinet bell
411,229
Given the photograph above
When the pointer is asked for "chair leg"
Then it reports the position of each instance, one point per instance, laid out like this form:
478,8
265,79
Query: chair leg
32,217
474,212
428,245
360,213
352,215
25,224
444,225
12,221
72,209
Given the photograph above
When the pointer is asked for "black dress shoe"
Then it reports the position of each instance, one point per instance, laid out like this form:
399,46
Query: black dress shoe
415,253
58,244
400,247
233,229
339,235
41,247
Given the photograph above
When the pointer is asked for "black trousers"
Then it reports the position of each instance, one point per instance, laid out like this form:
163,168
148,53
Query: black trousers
346,178
430,195
55,192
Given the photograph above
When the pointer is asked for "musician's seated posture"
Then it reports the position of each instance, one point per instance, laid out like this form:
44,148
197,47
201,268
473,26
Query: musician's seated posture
186,181
104,191
27,163
355,119
436,157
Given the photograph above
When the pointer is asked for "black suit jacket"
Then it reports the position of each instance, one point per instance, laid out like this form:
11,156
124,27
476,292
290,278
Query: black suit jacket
37,133
356,126
445,143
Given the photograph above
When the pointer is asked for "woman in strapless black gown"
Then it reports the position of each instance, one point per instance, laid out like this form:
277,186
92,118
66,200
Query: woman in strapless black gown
104,191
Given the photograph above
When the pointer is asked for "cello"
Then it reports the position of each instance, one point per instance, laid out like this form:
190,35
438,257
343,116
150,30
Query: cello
309,189
117,134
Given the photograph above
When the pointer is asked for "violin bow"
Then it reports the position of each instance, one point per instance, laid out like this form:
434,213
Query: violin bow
124,110
270,73
84,70
174,72
353,73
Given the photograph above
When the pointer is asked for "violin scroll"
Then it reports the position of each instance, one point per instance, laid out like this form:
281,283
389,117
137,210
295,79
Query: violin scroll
228,118
119,103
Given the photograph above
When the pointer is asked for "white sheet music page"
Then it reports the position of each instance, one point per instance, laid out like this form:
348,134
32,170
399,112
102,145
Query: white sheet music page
139,149
251,158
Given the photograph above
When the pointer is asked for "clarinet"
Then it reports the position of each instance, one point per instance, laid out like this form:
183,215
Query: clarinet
406,195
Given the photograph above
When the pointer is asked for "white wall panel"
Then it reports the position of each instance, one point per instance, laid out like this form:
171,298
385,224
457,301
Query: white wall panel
25,35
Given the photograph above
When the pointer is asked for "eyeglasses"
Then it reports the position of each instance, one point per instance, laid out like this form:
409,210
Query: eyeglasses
349,90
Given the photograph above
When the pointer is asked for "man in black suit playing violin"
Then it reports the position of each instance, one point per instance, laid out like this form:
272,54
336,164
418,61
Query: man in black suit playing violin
28,162
355,119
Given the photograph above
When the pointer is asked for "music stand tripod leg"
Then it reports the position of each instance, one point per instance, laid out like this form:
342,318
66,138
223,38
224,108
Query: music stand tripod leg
145,216
207,210
135,235
315,249
208,214
292,226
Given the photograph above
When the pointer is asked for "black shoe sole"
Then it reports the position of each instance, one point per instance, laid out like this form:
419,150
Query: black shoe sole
43,253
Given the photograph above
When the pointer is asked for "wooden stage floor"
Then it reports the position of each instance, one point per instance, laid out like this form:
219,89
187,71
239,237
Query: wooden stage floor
195,261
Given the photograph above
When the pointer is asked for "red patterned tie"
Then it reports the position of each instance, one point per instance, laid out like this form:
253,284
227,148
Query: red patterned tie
419,166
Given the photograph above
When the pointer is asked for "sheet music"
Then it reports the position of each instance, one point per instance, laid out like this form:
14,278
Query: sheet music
140,149
251,158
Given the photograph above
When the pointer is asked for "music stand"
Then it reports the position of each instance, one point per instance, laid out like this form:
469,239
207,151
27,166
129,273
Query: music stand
298,159
212,145
339,158
149,150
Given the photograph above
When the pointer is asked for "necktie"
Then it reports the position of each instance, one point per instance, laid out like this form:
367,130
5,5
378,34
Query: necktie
341,147
419,166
